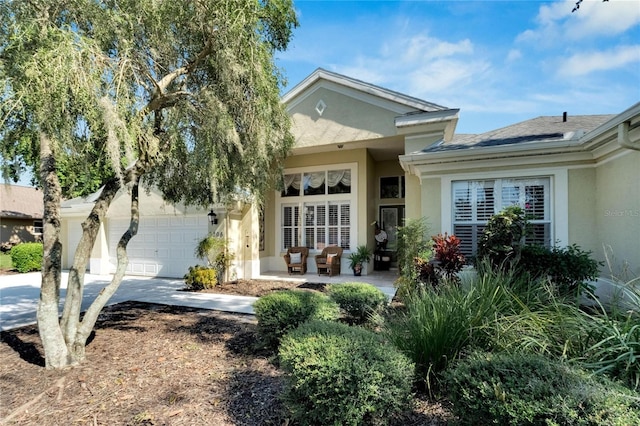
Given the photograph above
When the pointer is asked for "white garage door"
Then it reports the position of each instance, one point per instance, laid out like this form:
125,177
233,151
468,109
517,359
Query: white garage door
163,247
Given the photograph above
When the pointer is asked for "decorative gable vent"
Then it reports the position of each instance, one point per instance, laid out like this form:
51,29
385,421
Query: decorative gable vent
320,107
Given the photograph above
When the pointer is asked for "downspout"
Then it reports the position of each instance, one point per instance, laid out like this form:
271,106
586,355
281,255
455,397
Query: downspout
623,137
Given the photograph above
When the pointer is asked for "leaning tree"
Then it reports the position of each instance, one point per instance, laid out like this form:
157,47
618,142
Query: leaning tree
97,94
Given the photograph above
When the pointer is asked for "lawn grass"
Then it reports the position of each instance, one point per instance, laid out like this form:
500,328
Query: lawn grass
5,261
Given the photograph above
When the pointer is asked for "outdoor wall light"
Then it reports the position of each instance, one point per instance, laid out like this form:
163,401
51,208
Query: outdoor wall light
213,218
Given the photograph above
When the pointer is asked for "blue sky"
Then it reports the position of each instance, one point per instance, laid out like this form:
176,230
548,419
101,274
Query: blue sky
500,62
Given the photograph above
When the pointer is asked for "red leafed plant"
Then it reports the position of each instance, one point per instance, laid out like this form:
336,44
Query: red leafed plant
447,253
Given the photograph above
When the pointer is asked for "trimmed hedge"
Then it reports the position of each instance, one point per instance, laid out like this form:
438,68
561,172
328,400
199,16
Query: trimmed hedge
281,311
27,257
342,375
357,300
533,390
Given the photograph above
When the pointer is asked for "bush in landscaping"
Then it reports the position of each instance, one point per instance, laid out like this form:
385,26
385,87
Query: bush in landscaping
200,278
414,249
533,390
503,237
567,267
447,253
27,257
357,300
342,375
279,312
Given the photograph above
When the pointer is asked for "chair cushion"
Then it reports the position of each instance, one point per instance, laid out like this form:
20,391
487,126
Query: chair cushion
330,257
295,258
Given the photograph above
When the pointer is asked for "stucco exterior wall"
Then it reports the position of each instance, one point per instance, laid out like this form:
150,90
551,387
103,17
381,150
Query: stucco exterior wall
617,209
344,119
413,199
582,213
431,204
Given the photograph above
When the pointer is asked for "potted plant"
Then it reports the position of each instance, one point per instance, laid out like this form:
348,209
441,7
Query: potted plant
358,258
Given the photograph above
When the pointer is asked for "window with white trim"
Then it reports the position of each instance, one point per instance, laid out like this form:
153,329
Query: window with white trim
474,202
316,209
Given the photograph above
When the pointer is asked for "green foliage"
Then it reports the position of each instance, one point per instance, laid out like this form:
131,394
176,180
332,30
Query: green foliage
360,256
357,300
432,330
279,312
533,390
200,278
414,250
27,257
342,375
5,261
504,236
568,268
216,252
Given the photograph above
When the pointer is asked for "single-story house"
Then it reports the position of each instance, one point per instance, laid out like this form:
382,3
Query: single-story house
21,209
366,155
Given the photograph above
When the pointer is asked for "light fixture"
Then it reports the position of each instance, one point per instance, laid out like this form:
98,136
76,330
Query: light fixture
213,218
340,146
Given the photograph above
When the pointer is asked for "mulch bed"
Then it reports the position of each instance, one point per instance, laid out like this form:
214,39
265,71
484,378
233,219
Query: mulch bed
158,365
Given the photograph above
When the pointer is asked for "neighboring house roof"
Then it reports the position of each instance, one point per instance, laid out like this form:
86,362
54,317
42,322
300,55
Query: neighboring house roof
540,129
20,202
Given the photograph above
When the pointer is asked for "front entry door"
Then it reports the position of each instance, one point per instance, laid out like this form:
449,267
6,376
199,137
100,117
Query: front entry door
390,218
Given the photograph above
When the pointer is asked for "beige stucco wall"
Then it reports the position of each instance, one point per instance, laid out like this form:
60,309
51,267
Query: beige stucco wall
413,197
582,201
431,204
617,209
344,119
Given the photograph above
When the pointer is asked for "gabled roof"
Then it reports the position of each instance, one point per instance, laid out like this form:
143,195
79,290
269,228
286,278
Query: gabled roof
360,86
20,202
540,129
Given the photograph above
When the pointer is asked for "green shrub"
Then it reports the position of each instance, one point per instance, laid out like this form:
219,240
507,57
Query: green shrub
414,248
357,300
503,237
532,390
567,267
27,257
281,311
342,375
200,278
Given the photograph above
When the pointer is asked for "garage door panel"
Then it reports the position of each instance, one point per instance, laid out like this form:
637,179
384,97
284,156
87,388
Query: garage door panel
164,246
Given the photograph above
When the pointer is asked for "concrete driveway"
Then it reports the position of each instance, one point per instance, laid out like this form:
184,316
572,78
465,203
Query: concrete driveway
19,294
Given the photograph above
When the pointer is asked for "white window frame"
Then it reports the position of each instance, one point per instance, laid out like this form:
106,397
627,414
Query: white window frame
558,197
324,199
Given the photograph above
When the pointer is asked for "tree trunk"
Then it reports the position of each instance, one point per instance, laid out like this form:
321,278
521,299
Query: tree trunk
77,342
75,286
55,349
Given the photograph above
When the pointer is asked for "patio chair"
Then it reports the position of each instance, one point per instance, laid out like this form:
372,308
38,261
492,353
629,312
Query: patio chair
328,261
296,259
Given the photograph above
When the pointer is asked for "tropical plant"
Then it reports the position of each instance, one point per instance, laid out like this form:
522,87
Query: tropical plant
414,251
215,250
200,278
450,259
360,256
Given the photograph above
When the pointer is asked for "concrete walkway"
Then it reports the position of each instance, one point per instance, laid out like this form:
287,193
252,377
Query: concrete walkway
19,293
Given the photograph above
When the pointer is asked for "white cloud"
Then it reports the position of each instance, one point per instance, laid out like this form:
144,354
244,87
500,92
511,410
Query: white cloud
556,22
514,55
585,63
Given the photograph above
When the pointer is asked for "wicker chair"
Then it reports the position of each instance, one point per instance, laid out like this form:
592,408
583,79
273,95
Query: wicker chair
295,264
328,261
